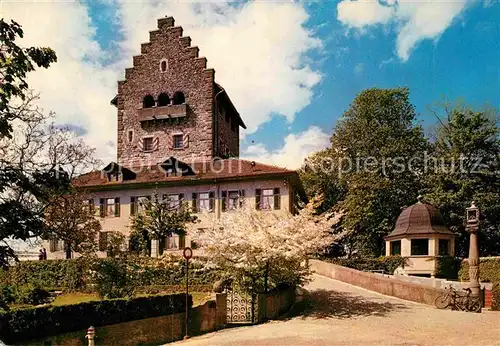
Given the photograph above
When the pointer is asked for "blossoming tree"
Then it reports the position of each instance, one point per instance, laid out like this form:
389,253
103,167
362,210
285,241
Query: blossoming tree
262,251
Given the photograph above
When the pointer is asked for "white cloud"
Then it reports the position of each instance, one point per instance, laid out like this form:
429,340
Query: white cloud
295,149
78,88
414,20
257,50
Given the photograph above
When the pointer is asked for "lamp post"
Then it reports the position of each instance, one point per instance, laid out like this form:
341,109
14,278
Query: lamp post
472,216
187,253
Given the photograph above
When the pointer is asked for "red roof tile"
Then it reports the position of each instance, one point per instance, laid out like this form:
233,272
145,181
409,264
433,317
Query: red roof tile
228,169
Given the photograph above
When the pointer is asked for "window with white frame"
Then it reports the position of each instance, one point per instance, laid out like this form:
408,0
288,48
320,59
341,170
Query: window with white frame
203,202
267,202
172,242
56,245
173,201
232,200
110,207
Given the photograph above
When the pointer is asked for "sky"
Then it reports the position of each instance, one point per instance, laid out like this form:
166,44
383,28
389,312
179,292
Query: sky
290,67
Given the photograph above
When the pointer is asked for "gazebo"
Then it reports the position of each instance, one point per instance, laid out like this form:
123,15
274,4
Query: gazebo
421,236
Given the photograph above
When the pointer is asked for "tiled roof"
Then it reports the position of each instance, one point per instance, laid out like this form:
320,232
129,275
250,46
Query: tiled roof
227,169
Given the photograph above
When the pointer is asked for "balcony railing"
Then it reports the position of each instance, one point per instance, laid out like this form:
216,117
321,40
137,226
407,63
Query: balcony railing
161,113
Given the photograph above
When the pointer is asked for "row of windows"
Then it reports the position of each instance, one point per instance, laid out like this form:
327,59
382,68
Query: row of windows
227,118
420,247
202,202
163,100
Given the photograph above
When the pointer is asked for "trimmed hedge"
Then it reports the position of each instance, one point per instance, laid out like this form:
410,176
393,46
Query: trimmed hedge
32,323
448,267
387,263
69,274
489,271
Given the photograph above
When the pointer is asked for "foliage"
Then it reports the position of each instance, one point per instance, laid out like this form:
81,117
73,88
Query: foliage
116,240
364,172
448,267
388,264
32,295
467,147
159,219
15,64
72,218
7,296
31,323
72,274
250,246
113,278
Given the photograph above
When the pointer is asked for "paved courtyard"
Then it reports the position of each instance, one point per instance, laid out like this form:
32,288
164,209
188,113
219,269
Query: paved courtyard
337,314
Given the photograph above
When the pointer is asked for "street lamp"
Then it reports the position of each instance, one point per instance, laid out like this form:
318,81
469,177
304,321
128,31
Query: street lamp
472,218
187,253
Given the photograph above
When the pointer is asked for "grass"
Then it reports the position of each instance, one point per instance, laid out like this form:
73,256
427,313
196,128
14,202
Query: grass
199,298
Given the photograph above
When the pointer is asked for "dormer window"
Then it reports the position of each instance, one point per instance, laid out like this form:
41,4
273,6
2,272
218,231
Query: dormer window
179,98
164,65
163,100
148,101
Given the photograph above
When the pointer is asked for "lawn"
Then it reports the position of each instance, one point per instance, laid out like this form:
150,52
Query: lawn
199,298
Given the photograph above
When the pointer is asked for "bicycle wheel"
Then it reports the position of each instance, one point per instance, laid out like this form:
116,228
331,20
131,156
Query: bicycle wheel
442,301
475,305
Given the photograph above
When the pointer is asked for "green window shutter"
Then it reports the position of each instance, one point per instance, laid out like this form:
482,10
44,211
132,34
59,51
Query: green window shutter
223,200
242,198
257,198
52,245
194,198
91,206
117,206
102,207
103,241
132,205
277,198
182,242
181,200
211,197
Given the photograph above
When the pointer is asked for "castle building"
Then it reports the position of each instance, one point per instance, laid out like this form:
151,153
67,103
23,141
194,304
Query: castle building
178,136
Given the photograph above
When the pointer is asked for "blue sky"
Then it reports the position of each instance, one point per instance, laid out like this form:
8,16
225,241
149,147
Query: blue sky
302,63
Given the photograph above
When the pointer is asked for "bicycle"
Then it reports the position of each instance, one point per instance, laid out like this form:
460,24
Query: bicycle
457,301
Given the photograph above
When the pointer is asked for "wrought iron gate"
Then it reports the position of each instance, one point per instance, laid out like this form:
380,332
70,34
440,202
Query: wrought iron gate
241,306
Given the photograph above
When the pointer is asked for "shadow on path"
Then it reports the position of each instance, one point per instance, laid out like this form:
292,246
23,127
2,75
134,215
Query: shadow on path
333,304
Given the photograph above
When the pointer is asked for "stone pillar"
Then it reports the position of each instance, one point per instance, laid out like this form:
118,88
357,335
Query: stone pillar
220,310
473,261
155,247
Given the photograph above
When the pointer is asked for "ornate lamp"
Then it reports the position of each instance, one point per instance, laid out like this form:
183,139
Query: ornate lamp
472,218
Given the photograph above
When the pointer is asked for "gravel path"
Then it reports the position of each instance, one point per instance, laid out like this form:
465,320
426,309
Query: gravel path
336,313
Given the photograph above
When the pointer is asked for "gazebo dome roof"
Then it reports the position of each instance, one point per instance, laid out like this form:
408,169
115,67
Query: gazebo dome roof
419,219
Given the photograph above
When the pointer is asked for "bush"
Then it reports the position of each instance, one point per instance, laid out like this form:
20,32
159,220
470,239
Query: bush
448,267
70,274
32,323
388,263
7,296
32,295
113,278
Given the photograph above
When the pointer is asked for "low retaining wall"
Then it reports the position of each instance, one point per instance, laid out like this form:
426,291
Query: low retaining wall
378,283
273,304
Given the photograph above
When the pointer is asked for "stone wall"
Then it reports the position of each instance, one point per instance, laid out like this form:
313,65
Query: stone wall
273,304
378,283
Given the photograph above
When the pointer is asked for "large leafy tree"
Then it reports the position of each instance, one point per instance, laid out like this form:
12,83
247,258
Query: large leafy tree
373,168
466,168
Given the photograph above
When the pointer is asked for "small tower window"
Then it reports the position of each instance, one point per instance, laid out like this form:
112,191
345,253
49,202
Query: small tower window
163,66
178,141
148,101
163,100
179,98
130,135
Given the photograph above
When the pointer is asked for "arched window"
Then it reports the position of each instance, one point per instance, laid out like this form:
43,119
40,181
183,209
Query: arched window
148,101
163,100
179,98
163,66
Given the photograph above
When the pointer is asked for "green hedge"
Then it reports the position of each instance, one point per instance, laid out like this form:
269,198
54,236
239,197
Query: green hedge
489,271
448,267
33,323
69,274
387,263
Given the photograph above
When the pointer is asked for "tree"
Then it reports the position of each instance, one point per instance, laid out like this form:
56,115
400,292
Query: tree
465,169
373,168
261,250
72,218
158,219
15,63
